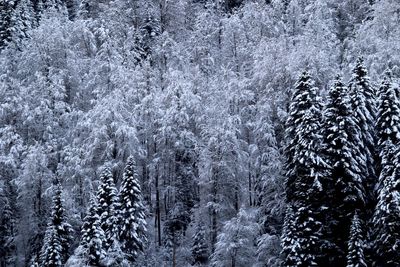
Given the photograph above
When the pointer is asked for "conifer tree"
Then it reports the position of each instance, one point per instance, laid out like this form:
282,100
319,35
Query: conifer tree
132,233
304,165
7,223
199,248
355,253
6,8
363,102
387,128
343,188
108,205
58,237
93,237
385,231
386,221
51,255
22,20
305,169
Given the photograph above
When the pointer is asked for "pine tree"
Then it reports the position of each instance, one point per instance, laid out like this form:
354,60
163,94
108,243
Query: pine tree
22,21
385,231
133,229
306,169
199,248
51,255
363,102
344,188
386,221
387,128
8,218
355,253
6,8
93,237
58,237
108,205
289,239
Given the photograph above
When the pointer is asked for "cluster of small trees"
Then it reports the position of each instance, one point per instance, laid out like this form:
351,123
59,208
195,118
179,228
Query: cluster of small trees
113,231
342,170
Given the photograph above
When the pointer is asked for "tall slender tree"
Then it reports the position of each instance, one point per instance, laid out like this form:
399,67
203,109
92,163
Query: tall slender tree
58,238
108,205
363,102
306,169
385,232
132,233
344,188
93,238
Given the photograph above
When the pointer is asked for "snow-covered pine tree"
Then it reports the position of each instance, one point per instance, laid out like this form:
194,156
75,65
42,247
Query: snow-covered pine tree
8,218
344,188
305,166
58,238
22,20
385,230
363,103
289,239
387,127
51,255
6,8
386,221
93,237
107,207
132,232
305,171
199,249
356,245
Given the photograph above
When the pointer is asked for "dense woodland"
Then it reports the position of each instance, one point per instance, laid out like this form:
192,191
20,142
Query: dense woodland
227,133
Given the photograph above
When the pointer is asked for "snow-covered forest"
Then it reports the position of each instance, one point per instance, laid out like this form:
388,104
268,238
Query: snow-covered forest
225,133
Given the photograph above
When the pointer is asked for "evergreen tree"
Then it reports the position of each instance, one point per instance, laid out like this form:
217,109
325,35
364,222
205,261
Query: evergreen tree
199,248
386,221
132,233
306,169
6,8
305,166
108,205
363,102
8,218
51,255
385,230
55,250
93,237
355,253
22,21
387,128
344,189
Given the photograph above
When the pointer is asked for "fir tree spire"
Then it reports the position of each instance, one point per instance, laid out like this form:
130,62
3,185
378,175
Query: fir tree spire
363,101
58,237
93,236
344,190
108,203
133,229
